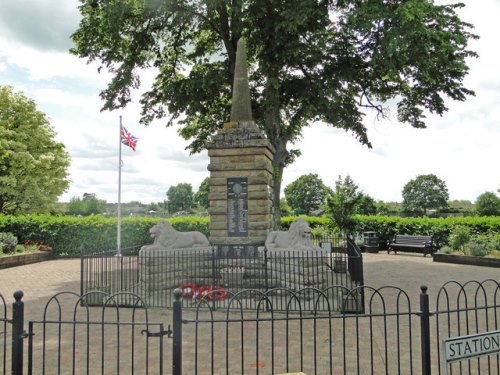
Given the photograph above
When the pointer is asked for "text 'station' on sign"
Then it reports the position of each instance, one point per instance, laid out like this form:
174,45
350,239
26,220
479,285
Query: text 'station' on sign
466,347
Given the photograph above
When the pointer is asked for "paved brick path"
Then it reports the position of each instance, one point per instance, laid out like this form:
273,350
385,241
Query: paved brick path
41,281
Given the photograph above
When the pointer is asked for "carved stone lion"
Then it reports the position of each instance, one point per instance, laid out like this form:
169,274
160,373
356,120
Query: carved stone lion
168,238
298,237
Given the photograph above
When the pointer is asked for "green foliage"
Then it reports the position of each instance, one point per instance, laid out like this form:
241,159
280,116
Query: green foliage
367,205
313,221
423,193
89,205
307,193
309,61
343,202
488,204
384,208
387,227
67,234
33,166
478,249
180,197
285,207
8,242
459,237
201,196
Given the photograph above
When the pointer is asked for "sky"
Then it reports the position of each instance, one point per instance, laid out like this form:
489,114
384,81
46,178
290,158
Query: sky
462,147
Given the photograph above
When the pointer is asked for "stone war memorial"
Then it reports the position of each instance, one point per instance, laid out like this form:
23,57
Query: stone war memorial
242,250
241,174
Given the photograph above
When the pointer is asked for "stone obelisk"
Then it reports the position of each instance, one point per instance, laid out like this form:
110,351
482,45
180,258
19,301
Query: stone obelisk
241,173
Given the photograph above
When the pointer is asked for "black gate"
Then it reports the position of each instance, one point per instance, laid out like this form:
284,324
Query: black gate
72,338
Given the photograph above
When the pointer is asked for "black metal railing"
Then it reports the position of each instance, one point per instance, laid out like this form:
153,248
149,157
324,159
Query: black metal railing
391,337
155,274
108,273
4,324
394,335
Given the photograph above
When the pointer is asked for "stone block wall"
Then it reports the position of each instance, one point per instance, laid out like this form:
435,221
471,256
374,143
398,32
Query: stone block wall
240,150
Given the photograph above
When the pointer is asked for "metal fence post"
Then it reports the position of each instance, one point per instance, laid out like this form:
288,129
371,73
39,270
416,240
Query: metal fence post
82,271
177,333
17,333
266,275
425,339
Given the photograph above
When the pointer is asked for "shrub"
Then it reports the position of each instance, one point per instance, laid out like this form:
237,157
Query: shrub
459,237
478,249
8,242
440,228
495,242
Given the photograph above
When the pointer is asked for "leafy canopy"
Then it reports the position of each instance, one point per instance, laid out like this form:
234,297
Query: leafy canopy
342,204
488,204
88,205
307,193
33,166
180,197
201,196
310,60
425,192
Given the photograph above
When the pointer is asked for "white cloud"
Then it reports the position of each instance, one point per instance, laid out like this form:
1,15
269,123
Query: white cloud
462,147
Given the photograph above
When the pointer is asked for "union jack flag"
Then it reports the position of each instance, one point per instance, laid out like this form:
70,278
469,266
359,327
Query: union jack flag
128,139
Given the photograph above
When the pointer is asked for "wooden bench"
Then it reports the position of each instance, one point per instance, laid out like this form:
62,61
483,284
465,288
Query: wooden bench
411,243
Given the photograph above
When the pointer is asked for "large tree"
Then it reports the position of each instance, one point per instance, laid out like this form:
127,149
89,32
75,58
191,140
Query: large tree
33,166
488,204
425,192
306,193
201,196
310,61
180,197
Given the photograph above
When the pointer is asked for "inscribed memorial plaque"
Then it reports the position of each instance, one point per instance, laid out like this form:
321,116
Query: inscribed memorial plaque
237,207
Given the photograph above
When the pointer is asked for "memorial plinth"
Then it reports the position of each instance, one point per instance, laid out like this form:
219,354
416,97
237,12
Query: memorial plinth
240,185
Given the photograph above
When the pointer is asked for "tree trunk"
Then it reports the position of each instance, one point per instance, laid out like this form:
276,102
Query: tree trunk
272,124
279,164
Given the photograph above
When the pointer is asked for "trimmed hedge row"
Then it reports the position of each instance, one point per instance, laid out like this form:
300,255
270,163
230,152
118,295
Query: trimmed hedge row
66,234
388,226
440,228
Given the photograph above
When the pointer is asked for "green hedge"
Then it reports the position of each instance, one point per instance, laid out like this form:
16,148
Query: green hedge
66,234
387,227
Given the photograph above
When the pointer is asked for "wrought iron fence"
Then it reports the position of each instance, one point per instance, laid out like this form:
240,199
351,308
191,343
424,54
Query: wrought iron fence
395,335
155,274
108,273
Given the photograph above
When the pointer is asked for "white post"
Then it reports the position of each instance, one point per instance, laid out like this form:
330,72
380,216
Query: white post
118,227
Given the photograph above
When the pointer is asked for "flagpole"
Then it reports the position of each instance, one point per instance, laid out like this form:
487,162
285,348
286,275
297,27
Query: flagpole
119,225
